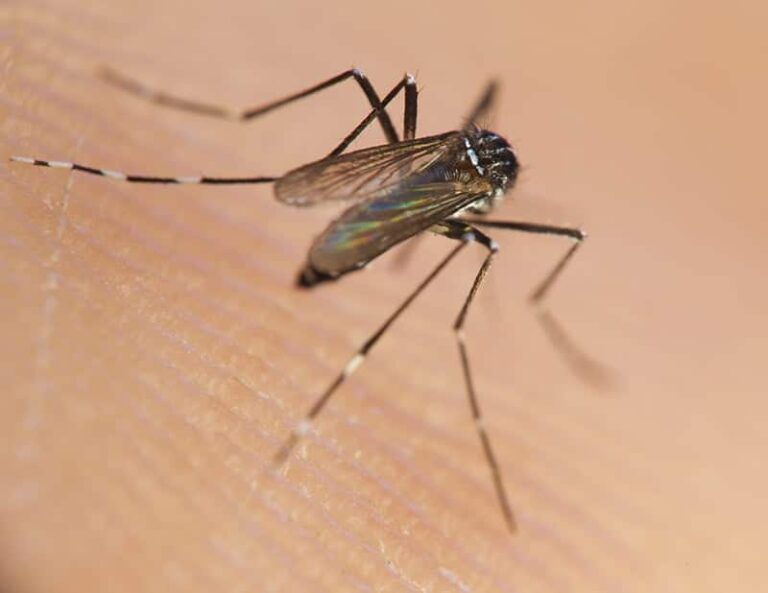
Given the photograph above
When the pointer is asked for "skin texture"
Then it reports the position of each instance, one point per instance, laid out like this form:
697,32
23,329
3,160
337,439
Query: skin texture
157,352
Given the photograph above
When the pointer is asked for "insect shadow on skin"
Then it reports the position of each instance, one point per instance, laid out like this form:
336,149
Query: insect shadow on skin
396,191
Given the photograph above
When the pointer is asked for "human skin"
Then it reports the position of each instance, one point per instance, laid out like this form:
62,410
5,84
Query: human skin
158,353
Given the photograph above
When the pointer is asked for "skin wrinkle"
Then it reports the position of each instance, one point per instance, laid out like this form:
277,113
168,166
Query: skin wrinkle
552,534
479,484
227,500
186,291
224,503
35,406
171,219
305,496
232,282
390,488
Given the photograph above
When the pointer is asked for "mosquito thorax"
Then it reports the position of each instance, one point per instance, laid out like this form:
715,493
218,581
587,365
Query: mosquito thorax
493,158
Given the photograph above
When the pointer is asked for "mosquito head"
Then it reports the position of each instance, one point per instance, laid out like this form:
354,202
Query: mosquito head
495,159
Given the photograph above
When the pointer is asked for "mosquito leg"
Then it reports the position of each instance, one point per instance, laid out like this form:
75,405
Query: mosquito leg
483,105
169,100
411,110
460,230
455,230
577,235
409,84
583,365
120,176
303,427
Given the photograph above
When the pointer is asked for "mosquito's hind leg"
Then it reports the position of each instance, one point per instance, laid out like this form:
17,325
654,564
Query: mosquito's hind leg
453,229
201,108
133,178
305,425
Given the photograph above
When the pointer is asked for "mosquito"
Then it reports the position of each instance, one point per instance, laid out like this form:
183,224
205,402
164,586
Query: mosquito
396,190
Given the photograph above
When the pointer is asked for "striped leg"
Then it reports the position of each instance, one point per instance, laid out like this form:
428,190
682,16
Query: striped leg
120,176
303,427
584,366
463,232
169,100
460,230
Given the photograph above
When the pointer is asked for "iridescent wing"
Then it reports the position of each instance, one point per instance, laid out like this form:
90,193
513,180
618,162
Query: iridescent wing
368,229
358,175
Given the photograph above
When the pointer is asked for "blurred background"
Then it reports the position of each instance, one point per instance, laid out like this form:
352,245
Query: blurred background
157,352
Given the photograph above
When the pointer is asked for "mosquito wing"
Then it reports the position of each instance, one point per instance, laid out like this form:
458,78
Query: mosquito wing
359,174
368,229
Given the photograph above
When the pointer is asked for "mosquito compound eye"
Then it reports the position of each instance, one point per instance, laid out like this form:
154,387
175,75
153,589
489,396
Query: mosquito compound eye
496,158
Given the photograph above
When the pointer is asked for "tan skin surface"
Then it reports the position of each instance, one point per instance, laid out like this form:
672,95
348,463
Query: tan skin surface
157,352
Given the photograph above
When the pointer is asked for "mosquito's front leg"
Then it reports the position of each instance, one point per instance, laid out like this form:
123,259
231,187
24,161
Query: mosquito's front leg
457,229
583,365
